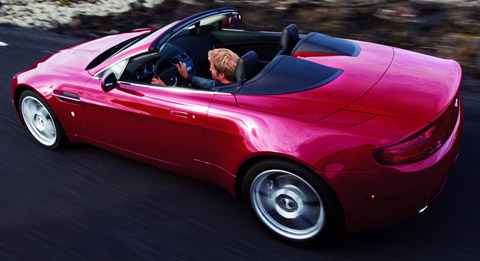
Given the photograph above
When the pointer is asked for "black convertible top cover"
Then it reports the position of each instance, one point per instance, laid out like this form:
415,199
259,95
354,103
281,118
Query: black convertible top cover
286,74
322,43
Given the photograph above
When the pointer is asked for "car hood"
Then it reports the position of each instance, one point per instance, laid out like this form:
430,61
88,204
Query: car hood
80,55
416,86
360,74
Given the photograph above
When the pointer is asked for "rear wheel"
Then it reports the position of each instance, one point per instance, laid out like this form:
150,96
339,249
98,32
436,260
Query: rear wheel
40,120
290,201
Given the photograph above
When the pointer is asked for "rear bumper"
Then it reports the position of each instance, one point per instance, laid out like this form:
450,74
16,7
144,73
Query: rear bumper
390,194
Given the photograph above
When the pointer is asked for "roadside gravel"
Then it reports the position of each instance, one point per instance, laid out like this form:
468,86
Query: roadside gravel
443,28
44,14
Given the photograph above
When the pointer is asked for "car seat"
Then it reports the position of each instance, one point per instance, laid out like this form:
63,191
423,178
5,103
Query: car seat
289,39
247,67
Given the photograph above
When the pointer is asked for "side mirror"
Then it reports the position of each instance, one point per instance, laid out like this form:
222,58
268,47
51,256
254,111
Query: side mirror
109,82
232,21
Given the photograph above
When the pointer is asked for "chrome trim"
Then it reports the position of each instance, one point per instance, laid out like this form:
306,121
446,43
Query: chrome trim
66,97
173,89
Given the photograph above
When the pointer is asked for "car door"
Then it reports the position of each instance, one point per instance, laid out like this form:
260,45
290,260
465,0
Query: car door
163,123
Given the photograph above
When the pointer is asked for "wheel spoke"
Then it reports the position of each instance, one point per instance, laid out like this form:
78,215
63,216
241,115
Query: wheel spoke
32,105
31,108
303,222
263,194
282,181
49,130
269,208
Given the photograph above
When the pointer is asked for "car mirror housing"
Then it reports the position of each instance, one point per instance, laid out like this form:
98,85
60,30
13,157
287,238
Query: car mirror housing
109,82
232,21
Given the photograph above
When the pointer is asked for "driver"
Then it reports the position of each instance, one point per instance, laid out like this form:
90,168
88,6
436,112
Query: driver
222,66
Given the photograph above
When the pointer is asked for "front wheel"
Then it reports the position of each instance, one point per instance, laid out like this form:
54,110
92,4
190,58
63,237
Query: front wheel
40,120
290,201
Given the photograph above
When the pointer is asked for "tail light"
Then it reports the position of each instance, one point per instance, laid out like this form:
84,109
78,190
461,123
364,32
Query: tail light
416,148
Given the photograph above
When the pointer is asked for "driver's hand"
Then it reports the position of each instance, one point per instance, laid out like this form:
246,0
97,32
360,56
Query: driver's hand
182,70
157,81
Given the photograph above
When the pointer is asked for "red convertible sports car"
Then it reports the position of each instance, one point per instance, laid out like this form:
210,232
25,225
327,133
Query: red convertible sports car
317,135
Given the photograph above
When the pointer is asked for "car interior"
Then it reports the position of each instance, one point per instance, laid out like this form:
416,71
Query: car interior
267,62
191,45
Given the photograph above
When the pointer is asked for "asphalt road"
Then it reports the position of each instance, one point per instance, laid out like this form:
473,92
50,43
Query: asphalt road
87,203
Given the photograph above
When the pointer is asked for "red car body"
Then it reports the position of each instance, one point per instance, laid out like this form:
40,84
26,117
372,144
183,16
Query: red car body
384,97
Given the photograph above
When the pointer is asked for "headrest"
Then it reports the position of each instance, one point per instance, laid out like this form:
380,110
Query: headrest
247,67
289,39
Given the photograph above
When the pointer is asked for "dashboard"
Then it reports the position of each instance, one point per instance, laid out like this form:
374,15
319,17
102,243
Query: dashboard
142,68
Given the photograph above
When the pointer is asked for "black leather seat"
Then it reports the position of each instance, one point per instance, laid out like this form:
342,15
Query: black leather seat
289,39
247,67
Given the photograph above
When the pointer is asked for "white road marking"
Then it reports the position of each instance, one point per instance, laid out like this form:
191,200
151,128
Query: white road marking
3,44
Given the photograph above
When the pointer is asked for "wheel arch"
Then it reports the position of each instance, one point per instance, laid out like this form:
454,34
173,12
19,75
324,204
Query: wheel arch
242,170
16,96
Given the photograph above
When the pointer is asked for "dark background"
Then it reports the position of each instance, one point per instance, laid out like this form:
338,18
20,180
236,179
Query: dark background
448,29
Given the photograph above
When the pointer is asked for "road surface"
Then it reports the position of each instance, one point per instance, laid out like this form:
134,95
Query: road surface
86,203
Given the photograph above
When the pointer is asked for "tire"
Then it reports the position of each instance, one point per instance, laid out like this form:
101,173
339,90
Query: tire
40,120
291,202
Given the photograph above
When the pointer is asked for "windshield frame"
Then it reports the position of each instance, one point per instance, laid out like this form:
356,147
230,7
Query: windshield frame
187,22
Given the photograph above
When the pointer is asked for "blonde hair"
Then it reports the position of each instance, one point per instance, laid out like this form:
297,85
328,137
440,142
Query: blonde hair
224,61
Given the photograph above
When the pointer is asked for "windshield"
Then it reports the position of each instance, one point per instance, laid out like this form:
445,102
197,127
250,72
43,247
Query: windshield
210,17
116,69
112,51
148,39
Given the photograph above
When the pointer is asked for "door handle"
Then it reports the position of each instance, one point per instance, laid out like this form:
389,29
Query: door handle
181,114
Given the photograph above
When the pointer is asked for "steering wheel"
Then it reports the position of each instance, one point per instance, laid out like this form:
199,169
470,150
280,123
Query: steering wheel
166,70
